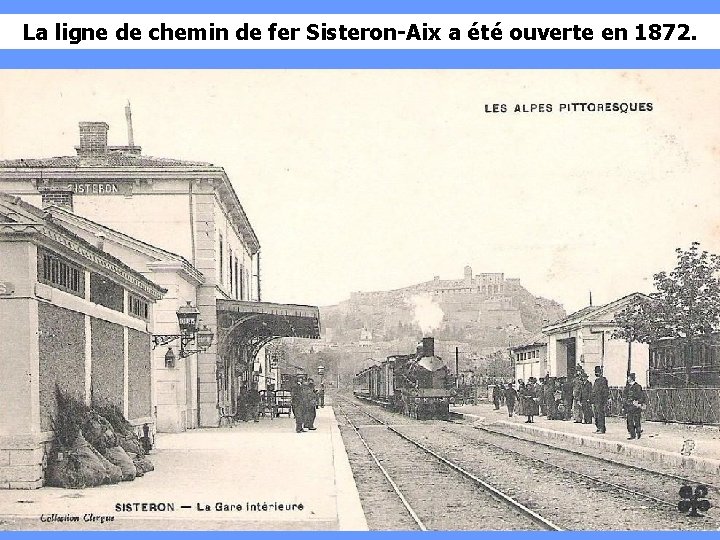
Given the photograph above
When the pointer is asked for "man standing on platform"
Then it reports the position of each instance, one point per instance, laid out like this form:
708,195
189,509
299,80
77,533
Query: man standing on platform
511,396
253,404
310,405
634,399
586,399
297,400
600,394
496,396
321,394
567,397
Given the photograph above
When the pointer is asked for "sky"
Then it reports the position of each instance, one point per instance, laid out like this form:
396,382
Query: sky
374,180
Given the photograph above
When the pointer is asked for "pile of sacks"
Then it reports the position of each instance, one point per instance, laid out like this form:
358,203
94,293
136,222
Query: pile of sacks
90,451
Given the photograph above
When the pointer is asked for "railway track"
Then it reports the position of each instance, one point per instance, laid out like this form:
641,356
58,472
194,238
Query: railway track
606,478
412,470
600,459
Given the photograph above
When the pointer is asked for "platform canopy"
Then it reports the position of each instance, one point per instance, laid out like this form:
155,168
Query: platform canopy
250,325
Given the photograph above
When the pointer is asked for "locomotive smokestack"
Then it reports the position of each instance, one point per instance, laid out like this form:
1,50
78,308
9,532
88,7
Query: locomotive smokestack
428,344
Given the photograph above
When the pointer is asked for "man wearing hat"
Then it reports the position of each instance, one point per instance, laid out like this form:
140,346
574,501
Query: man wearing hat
634,400
599,397
299,405
310,405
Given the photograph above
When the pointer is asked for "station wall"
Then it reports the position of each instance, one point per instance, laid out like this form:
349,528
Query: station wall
61,343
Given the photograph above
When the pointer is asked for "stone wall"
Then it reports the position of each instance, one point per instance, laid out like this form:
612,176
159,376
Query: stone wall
139,384
62,357
108,364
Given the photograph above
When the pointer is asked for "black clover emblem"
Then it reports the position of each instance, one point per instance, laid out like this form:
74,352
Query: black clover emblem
693,502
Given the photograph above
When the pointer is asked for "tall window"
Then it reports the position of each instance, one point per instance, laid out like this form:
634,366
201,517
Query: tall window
242,284
221,257
230,273
138,307
237,280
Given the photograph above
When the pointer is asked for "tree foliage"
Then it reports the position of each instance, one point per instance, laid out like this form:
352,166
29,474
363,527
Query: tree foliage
686,303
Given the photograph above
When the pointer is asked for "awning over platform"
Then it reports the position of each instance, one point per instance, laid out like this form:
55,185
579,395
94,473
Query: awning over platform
251,325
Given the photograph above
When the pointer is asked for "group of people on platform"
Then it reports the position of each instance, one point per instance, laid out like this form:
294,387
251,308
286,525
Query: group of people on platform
247,404
305,400
566,398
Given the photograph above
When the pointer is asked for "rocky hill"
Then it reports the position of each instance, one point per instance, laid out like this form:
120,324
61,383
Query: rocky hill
481,313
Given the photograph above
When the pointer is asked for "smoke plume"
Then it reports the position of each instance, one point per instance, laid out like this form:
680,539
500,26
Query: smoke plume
428,314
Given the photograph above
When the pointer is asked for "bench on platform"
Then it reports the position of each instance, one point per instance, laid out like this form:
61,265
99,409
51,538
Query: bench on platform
226,416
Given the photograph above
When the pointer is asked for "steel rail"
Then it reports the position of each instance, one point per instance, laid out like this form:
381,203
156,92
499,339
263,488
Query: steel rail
598,458
570,471
534,516
392,483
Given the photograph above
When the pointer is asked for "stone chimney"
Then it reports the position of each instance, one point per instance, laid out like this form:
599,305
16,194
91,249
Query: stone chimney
93,139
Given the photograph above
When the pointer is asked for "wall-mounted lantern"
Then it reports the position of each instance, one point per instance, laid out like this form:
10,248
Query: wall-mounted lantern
188,319
169,358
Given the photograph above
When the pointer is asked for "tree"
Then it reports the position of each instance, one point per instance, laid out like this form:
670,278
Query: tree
634,325
685,306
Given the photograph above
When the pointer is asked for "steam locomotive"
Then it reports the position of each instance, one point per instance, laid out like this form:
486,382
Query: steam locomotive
418,385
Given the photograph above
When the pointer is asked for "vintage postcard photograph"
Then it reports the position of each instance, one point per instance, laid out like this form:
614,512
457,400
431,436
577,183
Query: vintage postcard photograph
359,300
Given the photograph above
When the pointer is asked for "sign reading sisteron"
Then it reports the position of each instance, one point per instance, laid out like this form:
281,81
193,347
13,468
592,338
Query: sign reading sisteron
100,188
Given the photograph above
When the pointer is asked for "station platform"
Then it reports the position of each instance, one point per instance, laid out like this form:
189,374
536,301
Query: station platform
695,448
279,479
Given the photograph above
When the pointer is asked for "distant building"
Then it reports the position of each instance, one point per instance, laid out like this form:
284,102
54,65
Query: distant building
530,357
485,284
584,339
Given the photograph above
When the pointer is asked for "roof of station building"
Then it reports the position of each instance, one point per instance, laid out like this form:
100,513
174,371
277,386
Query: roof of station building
18,218
109,159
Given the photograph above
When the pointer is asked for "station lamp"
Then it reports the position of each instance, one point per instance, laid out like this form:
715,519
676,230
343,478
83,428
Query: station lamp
188,319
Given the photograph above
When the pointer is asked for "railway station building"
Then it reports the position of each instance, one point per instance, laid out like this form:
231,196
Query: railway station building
180,223
73,317
584,339
530,357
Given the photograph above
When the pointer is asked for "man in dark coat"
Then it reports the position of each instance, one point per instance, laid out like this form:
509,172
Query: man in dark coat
253,404
241,405
297,400
567,397
599,395
510,398
496,396
634,400
311,402
586,400
550,405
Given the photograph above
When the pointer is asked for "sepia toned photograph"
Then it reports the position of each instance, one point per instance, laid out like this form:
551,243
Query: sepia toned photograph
359,300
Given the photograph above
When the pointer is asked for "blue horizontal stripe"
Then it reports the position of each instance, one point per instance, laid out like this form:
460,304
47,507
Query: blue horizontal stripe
360,59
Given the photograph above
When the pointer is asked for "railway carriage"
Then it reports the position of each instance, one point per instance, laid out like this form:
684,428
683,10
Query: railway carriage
418,385
361,383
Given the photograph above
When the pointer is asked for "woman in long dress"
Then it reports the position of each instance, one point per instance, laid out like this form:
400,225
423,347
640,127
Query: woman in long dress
532,403
520,406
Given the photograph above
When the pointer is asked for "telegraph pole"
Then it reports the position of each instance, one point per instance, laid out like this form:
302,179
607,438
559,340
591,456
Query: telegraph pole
457,367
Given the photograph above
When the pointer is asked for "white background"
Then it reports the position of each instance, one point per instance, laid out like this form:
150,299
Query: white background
704,27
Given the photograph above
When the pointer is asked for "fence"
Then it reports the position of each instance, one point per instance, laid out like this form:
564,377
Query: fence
682,405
